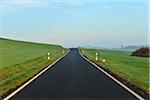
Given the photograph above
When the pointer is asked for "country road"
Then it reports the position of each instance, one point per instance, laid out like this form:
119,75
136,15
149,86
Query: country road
73,78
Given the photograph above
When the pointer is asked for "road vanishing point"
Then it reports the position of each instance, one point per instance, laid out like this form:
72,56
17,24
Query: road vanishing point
73,78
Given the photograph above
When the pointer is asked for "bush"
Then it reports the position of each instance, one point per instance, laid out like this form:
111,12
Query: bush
142,52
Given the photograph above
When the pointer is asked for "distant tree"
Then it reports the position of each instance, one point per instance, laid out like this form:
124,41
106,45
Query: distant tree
142,52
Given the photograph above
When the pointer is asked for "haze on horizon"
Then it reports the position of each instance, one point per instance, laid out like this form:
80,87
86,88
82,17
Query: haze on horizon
70,23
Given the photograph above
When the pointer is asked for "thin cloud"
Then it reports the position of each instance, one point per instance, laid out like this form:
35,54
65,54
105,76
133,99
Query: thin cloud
7,6
123,6
22,3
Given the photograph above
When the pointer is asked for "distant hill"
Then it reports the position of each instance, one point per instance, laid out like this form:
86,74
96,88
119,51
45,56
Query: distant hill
131,48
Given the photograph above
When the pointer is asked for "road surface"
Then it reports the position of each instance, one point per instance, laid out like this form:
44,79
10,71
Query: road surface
73,78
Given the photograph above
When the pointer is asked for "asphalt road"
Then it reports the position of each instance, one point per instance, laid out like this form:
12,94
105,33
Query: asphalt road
73,78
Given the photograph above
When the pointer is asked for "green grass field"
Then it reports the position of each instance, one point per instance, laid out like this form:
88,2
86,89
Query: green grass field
131,68
20,61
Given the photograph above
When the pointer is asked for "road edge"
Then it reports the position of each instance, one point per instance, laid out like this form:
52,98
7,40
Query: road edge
113,78
34,77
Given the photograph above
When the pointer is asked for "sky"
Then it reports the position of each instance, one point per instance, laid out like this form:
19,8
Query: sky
72,23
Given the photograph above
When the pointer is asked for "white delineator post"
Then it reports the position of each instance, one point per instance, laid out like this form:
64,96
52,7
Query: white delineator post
49,54
63,51
82,51
103,60
96,58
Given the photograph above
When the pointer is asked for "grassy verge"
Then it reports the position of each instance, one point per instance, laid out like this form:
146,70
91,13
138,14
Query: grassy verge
19,61
133,69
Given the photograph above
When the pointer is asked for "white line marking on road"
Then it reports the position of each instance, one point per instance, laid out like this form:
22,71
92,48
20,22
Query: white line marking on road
114,79
33,78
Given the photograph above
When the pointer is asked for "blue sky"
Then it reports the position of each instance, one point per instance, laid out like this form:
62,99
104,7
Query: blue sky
76,22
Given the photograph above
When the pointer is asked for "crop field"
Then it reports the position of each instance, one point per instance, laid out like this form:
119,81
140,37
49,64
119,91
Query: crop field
19,61
131,68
